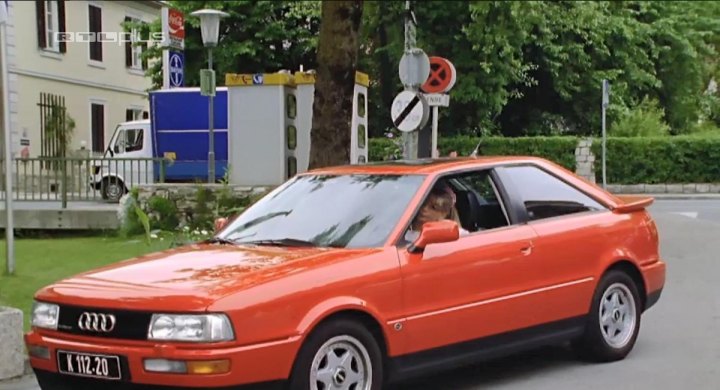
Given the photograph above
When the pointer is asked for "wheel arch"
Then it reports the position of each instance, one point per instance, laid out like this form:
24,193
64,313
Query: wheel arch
346,308
632,270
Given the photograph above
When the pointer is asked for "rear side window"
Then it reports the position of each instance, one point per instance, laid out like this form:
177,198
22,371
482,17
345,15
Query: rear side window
546,196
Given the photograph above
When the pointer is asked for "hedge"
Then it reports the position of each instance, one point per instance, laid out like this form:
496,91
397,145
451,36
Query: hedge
660,160
633,160
558,149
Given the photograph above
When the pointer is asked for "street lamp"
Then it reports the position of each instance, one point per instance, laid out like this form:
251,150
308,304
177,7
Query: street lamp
210,27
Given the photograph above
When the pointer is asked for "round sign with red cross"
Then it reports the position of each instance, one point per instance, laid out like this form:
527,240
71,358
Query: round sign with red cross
442,76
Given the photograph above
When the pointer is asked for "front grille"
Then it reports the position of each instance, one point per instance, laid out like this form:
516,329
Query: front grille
130,325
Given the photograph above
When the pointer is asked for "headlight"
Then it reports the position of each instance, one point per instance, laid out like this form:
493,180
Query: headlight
198,328
45,315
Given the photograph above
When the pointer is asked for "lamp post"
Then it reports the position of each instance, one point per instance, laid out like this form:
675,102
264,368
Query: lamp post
210,27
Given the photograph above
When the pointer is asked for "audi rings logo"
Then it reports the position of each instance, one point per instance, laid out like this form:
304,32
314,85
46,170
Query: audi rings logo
94,322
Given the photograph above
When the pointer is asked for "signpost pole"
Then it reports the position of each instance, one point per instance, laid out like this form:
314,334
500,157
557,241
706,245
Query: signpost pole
211,132
410,138
605,103
435,153
9,232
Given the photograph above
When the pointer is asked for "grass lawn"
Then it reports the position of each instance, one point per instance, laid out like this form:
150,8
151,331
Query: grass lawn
39,262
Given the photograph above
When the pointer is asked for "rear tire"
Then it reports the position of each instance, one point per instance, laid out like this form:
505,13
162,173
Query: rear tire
614,322
340,353
112,189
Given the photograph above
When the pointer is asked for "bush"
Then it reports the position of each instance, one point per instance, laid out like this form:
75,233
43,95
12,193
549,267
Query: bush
163,213
646,120
558,149
202,216
652,160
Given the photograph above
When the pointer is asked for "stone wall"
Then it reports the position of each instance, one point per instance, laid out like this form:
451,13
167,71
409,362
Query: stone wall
184,195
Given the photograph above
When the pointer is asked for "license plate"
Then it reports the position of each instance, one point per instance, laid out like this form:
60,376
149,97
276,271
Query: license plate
89,365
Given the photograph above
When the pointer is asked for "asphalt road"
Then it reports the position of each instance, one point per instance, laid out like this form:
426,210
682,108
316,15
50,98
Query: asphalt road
679,342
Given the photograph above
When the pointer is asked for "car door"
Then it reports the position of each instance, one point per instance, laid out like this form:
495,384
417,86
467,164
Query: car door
570,227
472,287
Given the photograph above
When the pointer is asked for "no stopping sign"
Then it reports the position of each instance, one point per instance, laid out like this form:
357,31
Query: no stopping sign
442,76
409,111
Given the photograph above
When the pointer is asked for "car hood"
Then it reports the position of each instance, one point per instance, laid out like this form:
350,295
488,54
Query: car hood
189,278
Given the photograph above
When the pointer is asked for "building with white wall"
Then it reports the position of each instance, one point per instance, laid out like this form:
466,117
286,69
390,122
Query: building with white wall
100,81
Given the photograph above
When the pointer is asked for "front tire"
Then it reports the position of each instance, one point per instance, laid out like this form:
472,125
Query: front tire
614,321
338,354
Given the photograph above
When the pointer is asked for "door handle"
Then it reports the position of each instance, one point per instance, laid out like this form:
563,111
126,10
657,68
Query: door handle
527,249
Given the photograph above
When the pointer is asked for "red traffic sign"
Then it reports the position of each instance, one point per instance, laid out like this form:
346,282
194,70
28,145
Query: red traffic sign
442,76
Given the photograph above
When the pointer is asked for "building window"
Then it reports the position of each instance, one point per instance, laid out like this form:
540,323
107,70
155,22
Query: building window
135,114
134,46
50,20
97,126
95,24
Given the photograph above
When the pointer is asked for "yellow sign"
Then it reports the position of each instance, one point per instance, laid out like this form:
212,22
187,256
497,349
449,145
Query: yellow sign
170,156
362,79
239,80
246,79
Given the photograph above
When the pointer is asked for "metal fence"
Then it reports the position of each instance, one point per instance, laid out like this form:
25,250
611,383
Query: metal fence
71,179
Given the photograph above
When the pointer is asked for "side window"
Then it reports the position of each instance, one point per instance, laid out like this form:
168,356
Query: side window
478,203
470,199
134,140
546,196
120,142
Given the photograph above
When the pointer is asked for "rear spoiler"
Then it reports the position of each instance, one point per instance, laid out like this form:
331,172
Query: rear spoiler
632,203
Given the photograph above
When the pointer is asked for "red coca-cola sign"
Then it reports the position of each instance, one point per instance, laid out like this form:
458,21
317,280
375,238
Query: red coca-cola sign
176,24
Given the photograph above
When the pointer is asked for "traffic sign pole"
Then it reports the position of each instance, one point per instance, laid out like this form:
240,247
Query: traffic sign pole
435,153
211,132
410,139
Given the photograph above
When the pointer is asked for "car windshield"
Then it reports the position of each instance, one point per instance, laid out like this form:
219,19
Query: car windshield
346,211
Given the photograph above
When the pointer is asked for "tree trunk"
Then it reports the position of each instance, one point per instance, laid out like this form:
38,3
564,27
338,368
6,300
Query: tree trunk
337,61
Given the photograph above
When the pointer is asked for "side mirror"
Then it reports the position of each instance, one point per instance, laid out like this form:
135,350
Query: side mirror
435,233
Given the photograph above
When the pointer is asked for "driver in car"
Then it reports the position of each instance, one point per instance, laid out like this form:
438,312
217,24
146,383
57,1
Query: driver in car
439,205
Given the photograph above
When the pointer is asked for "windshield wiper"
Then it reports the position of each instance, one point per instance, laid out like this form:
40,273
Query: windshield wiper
220,240
289,242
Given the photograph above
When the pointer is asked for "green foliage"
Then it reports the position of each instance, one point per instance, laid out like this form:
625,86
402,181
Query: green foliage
536,67
202,216
651,160
646,120
257,37
144,221
163,212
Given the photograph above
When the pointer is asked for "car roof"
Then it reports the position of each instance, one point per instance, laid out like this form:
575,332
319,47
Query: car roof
423,166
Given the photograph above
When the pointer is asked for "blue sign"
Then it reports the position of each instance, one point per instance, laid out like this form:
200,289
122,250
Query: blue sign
177,69
257,79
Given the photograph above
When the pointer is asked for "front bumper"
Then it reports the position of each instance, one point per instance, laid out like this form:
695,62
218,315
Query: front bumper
249,365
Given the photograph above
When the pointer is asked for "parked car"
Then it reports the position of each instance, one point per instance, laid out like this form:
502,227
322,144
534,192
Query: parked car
319,284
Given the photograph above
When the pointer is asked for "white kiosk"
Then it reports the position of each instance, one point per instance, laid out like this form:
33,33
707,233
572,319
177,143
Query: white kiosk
269,124
305,82
262,135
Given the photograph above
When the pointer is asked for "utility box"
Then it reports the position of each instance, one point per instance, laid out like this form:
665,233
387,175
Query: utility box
262,134
305,82
270,121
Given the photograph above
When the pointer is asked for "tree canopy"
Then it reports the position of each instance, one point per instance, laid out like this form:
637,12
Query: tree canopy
524,68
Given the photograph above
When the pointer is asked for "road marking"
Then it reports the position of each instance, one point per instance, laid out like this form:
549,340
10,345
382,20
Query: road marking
688,214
